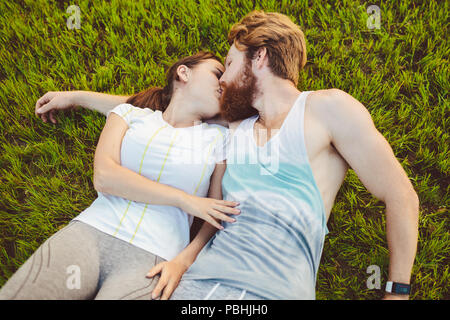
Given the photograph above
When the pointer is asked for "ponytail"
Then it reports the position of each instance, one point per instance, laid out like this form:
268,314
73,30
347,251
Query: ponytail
155,98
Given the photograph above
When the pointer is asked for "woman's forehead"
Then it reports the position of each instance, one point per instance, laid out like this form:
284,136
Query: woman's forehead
216,64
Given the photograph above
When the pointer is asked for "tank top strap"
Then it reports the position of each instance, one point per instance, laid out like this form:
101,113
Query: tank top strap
244,128
298,110
294,128
247,124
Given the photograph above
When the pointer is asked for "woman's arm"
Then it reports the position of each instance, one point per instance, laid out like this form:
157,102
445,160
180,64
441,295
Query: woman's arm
172,271
53,101
112,178
189,254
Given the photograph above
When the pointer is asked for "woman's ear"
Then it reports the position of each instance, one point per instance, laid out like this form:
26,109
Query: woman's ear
183,73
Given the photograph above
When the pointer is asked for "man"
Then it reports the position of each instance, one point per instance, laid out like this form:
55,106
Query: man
274,249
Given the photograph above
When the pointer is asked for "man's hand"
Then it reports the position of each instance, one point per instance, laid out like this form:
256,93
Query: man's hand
171,273
53,101
388,296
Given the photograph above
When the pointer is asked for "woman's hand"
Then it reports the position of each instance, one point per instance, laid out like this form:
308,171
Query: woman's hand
209,208
53,101
171,273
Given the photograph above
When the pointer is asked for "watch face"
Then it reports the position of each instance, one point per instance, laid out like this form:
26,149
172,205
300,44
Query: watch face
402,289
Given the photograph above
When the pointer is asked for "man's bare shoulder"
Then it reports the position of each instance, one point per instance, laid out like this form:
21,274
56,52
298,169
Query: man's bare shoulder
320,99
338,111
332,104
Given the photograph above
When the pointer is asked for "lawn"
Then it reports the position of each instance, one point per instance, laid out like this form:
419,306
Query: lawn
399,72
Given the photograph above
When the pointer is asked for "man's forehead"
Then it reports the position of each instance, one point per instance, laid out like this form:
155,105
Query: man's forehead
231,52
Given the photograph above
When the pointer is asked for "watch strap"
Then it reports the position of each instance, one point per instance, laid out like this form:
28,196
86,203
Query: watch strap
398,288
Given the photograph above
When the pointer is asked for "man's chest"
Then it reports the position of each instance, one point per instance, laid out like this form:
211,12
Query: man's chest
316,137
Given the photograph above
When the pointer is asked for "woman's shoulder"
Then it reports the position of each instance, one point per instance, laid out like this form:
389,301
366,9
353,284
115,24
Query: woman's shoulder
133,108
132,111
217,128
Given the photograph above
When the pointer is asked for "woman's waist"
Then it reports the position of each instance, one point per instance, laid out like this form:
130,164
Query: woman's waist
120,208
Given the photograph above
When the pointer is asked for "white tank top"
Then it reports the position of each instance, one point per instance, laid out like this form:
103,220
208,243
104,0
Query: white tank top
274,247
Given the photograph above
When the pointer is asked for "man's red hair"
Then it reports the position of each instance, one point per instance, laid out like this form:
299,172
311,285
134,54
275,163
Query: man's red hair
283,39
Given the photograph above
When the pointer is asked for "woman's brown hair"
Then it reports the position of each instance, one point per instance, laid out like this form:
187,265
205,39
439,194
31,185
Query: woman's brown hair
157,98
283,39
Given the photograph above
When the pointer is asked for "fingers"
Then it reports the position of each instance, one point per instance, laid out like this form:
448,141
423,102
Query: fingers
155,270
43,117
46,111
170,287
52,116
41,101
43,104
44,108
159,287
227,203
226,209
167,286
213,222
218,215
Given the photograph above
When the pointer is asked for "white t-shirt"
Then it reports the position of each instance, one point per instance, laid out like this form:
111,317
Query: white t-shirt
183,158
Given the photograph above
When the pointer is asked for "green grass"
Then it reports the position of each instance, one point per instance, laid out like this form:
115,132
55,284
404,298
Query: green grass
399,72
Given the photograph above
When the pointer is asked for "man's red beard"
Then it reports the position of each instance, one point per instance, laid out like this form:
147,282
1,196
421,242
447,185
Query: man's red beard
236,102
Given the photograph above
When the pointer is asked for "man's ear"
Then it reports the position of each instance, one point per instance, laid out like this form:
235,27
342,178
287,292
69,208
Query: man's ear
260,57
183,73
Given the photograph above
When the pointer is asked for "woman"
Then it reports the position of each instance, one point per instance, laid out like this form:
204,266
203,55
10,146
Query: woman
152,169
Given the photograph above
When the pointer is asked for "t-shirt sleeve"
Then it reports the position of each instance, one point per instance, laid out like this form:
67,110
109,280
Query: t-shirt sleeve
124,110
222,145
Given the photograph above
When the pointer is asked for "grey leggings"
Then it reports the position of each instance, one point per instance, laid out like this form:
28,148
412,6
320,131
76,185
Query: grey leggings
81,262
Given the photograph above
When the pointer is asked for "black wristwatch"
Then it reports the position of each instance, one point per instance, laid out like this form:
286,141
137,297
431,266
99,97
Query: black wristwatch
398,288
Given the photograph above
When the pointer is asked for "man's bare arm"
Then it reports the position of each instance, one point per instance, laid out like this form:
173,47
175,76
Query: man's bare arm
354,135
53,101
